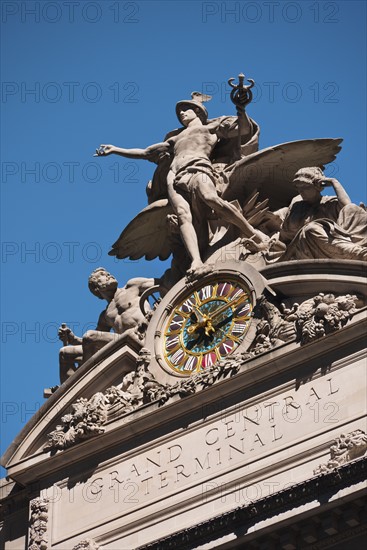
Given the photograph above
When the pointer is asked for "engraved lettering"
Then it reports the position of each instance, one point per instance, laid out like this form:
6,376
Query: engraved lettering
288,414
113,478
273,486
313,394
212,439
255,420
230,428
257,439
271,407
96,486
129,498
158,464
242,451
134,470
92,491
205,465
332,390
146,481
275,438
174,452
329,418
210,488
114,485
180,472
163,479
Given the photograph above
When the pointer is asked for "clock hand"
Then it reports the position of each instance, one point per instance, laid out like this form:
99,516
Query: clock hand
203,321
198,314
225,306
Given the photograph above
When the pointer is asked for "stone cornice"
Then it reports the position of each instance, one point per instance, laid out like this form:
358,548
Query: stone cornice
245,516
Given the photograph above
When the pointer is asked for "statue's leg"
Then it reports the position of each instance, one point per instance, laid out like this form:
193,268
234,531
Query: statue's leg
94,340
68,357
224,210
182,210
200,216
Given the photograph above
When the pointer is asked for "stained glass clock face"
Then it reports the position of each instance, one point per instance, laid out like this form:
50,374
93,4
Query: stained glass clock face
208,323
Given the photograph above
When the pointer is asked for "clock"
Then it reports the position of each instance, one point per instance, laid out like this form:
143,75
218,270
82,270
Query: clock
208,322
201,322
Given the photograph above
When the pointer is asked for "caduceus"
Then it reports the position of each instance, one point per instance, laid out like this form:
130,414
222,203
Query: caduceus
241,96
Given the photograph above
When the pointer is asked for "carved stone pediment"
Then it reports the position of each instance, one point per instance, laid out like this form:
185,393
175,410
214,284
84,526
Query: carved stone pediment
106,369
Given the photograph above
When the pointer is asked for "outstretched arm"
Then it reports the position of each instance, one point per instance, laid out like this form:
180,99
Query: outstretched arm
150,153
340,192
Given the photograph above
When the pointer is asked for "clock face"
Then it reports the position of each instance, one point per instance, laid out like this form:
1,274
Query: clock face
207,324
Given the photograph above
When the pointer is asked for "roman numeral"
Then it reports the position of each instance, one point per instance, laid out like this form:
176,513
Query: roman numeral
206,292
191,363
224,289
171,343
227,348
177,357
209,360
187,305
237,294
238,328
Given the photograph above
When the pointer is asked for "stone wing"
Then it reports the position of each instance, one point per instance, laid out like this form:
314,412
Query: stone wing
147,235
271,170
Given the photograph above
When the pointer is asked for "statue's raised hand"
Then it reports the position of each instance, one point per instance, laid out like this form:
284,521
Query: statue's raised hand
104,150
65,334
329,182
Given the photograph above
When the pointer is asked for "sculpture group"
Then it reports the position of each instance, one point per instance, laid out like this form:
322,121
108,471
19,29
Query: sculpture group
213,189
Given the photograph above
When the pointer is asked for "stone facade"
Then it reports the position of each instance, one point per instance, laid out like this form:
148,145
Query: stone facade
229,411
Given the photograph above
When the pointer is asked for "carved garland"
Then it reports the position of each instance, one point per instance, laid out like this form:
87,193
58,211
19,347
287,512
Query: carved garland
313,319
37,538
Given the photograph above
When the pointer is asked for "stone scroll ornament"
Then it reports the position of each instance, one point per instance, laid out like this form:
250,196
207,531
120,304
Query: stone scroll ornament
37,538
345,448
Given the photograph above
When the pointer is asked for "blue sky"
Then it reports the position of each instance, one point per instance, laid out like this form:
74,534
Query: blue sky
77,74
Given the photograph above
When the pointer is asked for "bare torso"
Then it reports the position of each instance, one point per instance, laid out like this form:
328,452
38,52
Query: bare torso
193,142
123,312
